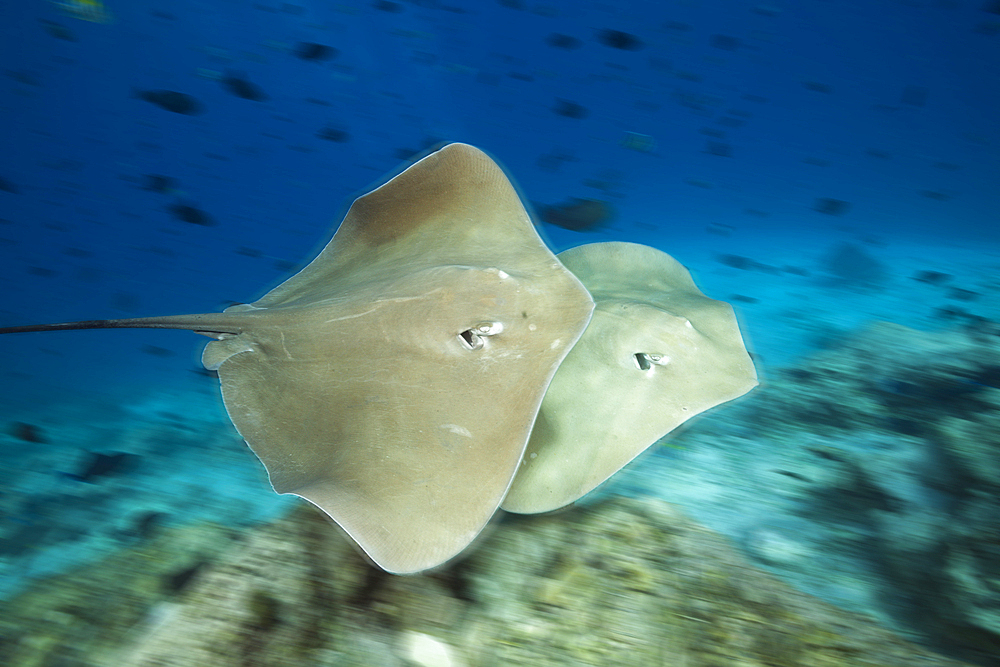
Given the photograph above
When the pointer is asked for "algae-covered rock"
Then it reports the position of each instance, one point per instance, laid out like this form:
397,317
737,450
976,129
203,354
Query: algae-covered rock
886,376
893,435
625,582
83,616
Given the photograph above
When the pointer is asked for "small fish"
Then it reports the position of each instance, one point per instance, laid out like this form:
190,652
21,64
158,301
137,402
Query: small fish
27,432
334,134
936,278
239,86
23,76
171,100
642,143
147,524
386,6
7,186
578,215
59,31
793,475
179,580
103,465
560,41
617,39
159,183
742,298
315,52
830,206
570,109
85,10
190,214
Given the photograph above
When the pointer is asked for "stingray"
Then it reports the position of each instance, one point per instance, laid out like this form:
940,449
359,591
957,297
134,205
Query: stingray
394,381
656,353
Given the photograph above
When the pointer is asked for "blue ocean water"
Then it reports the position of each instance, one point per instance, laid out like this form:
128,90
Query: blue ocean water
750,140
753,112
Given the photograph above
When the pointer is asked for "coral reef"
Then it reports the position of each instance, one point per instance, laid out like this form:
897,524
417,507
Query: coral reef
625,582
894,434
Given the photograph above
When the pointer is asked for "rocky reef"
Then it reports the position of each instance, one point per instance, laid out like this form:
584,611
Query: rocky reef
893,437
624,582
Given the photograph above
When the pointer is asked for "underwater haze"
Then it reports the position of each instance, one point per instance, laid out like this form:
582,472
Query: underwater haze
830,169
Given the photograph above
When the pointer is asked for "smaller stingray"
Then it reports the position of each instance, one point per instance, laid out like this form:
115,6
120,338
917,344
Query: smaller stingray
656,353
394,381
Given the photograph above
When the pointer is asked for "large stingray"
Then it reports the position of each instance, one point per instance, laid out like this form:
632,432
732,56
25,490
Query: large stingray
394,381
656,353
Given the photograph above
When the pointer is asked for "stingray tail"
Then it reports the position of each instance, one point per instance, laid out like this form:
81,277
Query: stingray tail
214,325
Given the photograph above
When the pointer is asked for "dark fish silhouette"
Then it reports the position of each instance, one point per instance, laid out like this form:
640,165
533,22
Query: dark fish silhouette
386,6
27,432
331,133
178,581
570,109
147,524
7,186
159,184
171,100
830,206
617,39
104,465
190,214
561,41
932,277
59,31
578,215
239,86
315,52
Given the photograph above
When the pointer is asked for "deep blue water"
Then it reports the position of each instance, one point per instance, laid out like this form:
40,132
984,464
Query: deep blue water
754,111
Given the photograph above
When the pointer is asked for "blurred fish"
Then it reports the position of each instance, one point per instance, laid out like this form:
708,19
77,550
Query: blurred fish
831,206
561,41
570,109
932,277
617,39
58,30
30,79
315,52
239,86
331,133
171,100
386,6
7,186
178,581
27,432
578,215
190,214
634,141
147,524
100,465
159,183
86,10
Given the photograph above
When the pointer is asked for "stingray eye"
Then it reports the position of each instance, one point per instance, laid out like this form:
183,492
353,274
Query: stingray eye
475,338
646,360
